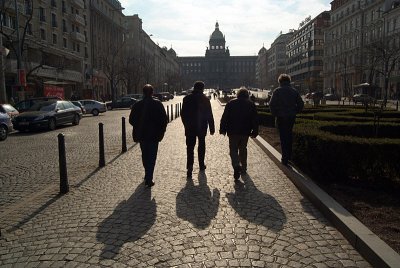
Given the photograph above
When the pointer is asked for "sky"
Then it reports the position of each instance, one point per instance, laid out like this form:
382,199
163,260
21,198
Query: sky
186,25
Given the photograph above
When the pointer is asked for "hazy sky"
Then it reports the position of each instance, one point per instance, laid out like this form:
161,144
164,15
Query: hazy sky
186,25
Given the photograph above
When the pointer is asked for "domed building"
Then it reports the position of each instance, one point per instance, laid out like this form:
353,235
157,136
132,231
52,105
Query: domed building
218,69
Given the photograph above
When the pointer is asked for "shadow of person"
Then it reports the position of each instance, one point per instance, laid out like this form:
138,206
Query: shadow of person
130,220
196,204
255,206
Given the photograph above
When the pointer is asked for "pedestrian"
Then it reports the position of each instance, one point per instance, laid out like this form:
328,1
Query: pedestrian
149,121
196,116
285,103
239,121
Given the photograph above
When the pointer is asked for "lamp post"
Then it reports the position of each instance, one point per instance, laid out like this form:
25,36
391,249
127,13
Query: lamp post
3,52
19,45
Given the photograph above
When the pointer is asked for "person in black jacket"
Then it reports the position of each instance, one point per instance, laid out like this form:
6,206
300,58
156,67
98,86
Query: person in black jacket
149,121
285,103
196,116
239,121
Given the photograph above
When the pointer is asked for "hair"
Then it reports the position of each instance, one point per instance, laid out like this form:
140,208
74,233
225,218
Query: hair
243,93
148,90
284,78
198,85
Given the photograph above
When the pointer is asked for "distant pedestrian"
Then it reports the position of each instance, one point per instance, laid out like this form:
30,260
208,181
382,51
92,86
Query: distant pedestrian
196,116
285,103
149,121
239,121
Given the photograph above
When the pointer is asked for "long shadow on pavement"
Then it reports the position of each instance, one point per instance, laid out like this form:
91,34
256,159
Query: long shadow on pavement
130,220
255,206
196,204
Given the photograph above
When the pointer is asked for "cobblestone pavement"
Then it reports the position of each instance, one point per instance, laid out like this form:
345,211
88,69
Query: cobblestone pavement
110,219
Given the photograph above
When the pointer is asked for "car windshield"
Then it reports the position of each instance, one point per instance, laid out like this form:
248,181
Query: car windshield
44,106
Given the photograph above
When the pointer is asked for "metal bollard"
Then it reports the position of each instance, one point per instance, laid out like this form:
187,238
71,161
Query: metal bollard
62,159
102,161
397,105
168,113
124,148
176,110
172,112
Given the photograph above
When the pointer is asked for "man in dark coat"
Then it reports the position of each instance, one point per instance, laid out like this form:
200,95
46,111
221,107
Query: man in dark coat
149,121
196,116
239,121
285,104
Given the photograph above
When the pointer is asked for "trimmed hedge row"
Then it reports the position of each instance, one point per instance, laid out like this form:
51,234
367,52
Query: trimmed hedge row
327,156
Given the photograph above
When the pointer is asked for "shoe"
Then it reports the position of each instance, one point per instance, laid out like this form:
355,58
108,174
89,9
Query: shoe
149,184
203,167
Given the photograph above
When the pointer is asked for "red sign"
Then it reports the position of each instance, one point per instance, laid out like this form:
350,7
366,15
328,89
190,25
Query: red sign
53,91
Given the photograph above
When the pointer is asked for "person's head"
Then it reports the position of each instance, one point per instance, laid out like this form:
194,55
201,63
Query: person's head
284,79
148,90
243,93
198,86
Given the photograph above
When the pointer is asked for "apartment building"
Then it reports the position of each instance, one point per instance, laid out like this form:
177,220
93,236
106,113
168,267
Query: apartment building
305,53
52,37
358,31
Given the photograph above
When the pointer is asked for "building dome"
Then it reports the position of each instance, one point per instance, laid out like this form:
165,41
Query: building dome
172,52
263,50
217,34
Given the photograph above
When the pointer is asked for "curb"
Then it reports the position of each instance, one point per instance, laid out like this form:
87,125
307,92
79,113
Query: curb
369,245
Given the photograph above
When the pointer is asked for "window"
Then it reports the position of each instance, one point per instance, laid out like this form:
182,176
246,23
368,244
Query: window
28,7
64,8
42,34
29,29
53,3
64,26
42,16
53,20
78,48
55,39
65,42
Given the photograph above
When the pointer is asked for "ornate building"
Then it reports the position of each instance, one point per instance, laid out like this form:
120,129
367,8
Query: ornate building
218,69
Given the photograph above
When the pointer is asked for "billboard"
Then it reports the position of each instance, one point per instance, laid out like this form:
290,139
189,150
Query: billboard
50,90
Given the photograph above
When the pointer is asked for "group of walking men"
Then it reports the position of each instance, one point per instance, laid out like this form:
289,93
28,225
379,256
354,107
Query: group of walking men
239,121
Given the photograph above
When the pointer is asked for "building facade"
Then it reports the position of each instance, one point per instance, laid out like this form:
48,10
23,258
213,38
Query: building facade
359,30
48,47
305,53
261,70
146,62
218,69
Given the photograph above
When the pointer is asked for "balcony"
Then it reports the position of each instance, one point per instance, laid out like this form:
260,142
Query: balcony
78,3
77,19
78,37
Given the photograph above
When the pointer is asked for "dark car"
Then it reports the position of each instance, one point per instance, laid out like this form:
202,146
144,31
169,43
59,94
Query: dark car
317,95
25,105
331,97
363,98
48,114
80,105
159,96
5,126
124,102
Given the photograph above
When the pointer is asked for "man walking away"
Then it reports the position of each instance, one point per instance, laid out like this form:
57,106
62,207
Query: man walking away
196,116
149,121
239,121
285,104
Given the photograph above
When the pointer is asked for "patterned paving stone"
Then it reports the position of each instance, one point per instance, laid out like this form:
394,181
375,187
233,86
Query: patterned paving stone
111,219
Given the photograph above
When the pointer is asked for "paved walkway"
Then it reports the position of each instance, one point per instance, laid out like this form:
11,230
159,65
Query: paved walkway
112,220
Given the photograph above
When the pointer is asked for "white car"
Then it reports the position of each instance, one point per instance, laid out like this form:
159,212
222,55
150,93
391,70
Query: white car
94,107
5,126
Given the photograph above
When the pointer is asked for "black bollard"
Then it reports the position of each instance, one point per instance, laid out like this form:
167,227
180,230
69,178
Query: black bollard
102,161
124,149
172,112
176,110
397,105
62,159
168,113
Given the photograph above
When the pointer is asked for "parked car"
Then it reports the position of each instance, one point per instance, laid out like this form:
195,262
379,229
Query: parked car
363,98
159,96
138,97
317,95
167,96
331,97
80,105
5,126
25,105
94,107
124,102
48,114
8,109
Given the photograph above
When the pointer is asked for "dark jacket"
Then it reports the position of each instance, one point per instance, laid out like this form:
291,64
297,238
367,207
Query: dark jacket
197,115
240,118
149,120
286,101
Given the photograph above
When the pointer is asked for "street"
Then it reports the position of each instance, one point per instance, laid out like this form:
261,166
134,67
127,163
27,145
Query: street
29,161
